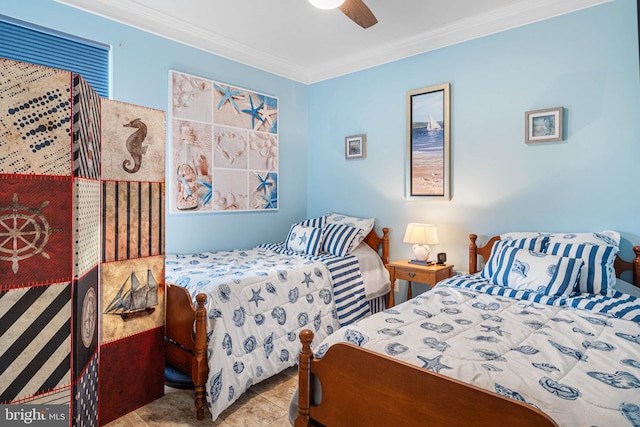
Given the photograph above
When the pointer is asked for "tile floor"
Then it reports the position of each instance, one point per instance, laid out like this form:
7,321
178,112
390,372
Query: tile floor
265,404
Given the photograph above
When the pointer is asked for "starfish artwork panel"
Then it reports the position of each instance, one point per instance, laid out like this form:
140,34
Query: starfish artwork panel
264,190
224,144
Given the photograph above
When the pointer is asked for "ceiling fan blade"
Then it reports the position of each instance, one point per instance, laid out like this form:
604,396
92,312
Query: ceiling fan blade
359,13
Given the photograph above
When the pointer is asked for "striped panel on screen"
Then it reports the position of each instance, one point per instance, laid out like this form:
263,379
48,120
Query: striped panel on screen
35,348
86,130
132,220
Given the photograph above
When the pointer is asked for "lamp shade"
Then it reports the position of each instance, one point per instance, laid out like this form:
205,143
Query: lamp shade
326,4
422,234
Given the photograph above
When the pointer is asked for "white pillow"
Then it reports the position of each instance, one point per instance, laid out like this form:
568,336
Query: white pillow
364,226
305,239
542,273
338,239
535,243
374,276
597,275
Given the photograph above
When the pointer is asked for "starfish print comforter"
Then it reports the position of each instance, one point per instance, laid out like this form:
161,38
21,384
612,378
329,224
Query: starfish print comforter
258,300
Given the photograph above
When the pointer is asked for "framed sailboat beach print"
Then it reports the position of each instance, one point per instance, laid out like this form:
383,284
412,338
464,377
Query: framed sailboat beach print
428,142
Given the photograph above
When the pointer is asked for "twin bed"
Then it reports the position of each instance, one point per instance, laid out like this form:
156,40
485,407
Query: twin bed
541,336
252,304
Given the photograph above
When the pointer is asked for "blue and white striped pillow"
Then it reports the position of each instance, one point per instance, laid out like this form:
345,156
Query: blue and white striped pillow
318,222
597,275
338,239
362,225
535,244
542,273
305,239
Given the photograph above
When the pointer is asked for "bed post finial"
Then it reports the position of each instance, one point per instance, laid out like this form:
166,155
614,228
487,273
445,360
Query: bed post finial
473,254
636,266
385,246
199,367
304,379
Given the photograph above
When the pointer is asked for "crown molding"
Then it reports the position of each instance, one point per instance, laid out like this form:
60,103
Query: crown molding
170,27
513,16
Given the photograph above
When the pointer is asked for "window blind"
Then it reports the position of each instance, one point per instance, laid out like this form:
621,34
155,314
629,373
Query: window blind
27,42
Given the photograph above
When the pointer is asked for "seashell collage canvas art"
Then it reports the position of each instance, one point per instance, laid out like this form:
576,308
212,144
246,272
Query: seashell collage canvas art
224,147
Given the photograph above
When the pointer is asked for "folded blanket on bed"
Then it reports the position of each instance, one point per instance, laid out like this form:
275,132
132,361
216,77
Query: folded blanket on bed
348,288
620,305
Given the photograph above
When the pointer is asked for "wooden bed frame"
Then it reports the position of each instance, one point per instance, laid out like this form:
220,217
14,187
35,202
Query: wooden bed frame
186,327
407,395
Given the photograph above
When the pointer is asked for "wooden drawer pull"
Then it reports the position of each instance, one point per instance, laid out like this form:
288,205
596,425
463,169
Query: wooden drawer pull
412,274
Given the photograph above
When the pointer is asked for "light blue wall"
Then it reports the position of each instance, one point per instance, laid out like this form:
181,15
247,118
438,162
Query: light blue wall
586,61
141,64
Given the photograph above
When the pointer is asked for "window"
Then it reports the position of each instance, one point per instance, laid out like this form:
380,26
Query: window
27,42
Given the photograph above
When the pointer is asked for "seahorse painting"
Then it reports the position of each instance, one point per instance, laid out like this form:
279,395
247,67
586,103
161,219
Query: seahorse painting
134,145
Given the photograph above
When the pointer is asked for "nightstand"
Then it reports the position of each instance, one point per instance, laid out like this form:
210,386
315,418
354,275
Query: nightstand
427,274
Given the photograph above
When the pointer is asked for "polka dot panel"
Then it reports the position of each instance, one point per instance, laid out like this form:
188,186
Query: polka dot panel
86,225
35,119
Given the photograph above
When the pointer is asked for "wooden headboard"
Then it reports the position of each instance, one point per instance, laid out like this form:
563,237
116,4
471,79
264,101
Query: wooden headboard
619,264
376,242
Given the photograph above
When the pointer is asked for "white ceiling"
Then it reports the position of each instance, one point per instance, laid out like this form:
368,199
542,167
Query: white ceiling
291,38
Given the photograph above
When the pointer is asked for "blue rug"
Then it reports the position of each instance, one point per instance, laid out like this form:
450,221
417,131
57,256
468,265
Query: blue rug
175,378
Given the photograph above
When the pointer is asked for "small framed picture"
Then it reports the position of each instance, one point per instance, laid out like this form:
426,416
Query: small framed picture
355,147
544,125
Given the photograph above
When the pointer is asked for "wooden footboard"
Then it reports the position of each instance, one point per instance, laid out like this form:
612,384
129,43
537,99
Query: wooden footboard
363,388
186,339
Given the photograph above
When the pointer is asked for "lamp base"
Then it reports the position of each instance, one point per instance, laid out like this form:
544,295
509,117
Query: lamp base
421,252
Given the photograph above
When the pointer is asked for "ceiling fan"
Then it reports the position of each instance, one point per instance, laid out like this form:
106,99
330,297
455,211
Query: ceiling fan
355,10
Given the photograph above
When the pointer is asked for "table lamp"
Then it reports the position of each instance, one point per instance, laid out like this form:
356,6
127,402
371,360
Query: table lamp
421,235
